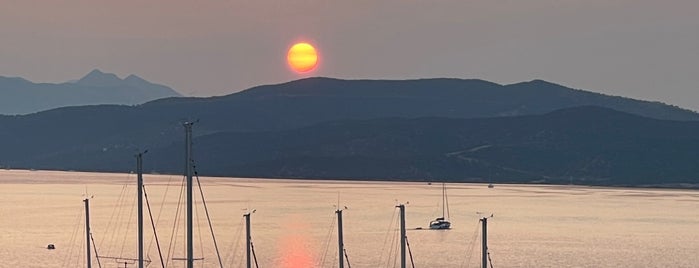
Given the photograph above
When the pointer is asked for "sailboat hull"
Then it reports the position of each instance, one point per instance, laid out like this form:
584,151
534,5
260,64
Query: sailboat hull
440,224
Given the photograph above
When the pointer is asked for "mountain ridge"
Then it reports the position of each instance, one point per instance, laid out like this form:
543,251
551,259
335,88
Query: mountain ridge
21,96
459,88
309,128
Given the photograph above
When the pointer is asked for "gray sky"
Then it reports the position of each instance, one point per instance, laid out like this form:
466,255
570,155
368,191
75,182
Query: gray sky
645,49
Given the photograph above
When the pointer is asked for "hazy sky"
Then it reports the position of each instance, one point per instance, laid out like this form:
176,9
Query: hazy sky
646,49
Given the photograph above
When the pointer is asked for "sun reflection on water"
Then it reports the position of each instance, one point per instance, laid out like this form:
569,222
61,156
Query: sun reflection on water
294,245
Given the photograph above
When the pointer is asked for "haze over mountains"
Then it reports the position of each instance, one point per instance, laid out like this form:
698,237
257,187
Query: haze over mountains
19,96
430,129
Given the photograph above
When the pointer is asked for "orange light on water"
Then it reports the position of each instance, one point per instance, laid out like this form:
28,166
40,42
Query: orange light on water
296,252
302,57
295,246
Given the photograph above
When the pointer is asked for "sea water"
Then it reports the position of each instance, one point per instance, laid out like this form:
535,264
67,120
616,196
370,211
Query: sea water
294,222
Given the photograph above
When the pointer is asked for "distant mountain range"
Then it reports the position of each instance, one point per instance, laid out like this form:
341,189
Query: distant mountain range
19,96
431,129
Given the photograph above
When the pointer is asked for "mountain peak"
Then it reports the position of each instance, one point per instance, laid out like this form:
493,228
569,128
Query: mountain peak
133,77
136,81
537,83
100,79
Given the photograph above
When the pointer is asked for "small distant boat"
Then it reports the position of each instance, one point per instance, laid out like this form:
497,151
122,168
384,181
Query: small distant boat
51,246
491,186
442,223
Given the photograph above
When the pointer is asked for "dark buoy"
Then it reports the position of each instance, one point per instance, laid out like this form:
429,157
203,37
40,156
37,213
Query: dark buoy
51,246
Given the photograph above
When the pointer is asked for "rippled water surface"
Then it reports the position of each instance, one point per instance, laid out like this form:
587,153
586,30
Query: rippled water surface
294,222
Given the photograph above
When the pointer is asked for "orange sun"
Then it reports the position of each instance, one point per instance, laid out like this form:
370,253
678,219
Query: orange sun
302,57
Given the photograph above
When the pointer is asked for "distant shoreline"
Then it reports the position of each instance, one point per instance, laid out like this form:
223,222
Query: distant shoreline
24,173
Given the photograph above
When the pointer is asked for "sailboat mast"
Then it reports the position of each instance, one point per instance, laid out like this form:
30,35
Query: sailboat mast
444,202
87,231
188,173
139,185
340,239
402,235
248,239
485,242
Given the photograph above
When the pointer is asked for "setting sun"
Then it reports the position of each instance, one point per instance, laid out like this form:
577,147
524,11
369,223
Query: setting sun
302,57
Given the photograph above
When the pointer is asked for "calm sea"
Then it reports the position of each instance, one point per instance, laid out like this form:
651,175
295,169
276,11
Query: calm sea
294,222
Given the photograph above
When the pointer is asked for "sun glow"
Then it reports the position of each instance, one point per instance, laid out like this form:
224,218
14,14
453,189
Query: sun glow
302,57
295,247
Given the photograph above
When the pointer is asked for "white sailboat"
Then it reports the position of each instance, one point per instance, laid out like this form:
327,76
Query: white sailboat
442,223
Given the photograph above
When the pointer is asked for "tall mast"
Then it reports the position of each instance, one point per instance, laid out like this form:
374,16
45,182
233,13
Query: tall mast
485,242
87,231
444,201
340,239
188,173
402,235
248,239
139,185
